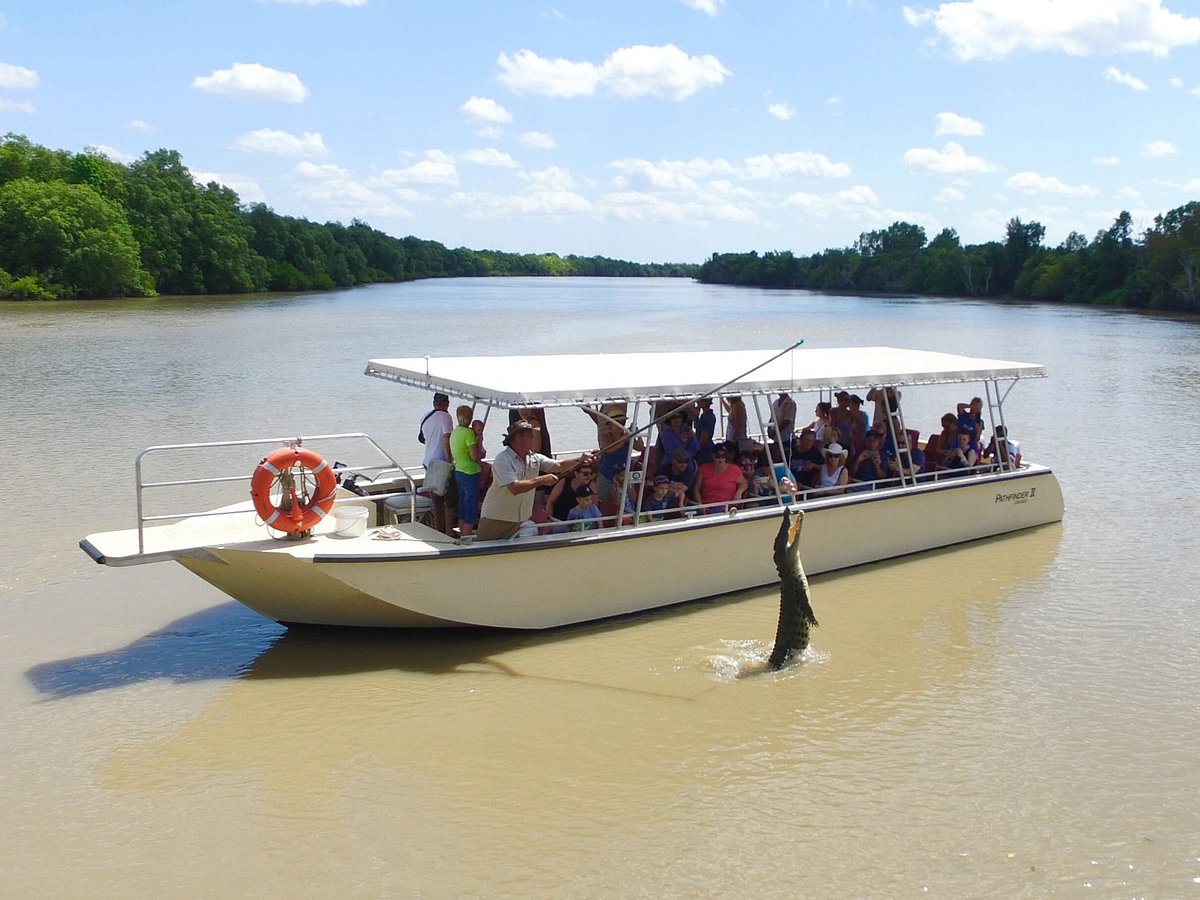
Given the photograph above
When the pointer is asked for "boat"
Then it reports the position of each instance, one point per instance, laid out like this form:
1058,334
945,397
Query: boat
395,570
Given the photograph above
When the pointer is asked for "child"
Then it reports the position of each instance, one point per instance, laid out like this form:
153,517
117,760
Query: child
585,512
654,505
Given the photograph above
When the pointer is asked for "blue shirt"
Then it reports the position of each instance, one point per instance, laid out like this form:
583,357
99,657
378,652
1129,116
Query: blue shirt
582,516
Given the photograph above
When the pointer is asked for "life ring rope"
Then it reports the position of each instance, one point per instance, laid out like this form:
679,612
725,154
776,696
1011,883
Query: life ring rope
297,510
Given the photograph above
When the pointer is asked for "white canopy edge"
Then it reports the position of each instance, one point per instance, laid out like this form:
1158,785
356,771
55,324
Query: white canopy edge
573,380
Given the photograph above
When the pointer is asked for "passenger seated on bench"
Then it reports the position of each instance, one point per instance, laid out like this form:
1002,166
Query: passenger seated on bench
682,473
657,501
758,477
1008,451
961,454
806,458
719,483
901,457
869,465
820,426
948,436
561,499
584,514
841,417
622,496
832,477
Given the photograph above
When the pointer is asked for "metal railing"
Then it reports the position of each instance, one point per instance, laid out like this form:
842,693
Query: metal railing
142,486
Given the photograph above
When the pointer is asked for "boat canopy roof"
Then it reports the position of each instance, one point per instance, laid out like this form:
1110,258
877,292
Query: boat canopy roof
574,380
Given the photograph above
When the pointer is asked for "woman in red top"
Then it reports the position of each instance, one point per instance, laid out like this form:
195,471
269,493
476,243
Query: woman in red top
718,483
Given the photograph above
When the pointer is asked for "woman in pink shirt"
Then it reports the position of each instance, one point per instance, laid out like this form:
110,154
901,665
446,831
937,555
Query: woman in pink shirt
718,483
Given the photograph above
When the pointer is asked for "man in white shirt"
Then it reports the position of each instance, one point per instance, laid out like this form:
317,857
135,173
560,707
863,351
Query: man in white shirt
435,435
517,472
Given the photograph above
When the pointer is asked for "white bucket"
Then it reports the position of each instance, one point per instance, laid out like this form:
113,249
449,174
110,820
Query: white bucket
350,521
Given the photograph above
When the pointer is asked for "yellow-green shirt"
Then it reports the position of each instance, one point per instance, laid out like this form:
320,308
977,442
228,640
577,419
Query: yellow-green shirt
462,439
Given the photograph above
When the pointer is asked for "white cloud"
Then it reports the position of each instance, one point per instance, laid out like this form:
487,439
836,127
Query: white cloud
709,7
634,206
1159,148
23,106
851,201
554,178
1107,160
527,73
246,188
1033,183
338,193
549,193
952,159
949,195
17,78
787,165
992,29
833,101
436,168
110,153
1116,76
684,175
1193,186
665,72
782,111
483,109
281,143
663,175
725,188
490,156
251,81
140,125
952,123
538,140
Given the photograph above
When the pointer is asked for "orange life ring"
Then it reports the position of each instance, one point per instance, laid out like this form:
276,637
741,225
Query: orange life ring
304,510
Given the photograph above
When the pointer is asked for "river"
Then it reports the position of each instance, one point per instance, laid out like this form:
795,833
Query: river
1017,717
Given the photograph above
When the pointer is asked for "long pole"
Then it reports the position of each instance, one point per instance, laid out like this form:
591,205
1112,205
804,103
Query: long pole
684,405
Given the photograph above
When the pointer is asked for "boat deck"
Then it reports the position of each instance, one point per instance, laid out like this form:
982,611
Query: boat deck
243,530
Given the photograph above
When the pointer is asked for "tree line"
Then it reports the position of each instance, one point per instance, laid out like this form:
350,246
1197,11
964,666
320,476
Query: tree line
1159,268
83,226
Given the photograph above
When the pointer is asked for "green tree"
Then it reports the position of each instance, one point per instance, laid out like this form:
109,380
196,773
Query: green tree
944,263
68,236
1021,241
194,240
891,258
20,158
1172,259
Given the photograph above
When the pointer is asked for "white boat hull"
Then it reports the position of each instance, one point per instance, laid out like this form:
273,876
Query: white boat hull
426,580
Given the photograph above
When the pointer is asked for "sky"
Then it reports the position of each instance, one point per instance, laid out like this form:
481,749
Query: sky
652,131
